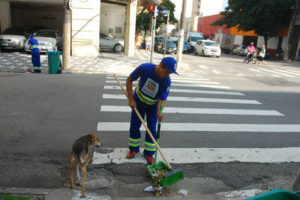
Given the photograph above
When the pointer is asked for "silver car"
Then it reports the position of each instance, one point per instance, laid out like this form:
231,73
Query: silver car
49,40
109,42
12,39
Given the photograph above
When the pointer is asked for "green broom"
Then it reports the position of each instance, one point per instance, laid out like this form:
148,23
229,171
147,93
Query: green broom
159,171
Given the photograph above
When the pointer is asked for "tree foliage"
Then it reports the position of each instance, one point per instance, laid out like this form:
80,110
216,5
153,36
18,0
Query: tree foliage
265,17
143,19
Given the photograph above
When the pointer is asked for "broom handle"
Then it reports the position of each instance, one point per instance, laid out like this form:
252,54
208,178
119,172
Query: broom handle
145,125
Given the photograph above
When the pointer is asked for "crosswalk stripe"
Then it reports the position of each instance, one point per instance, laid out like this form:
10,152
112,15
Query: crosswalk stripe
190,80
293,71
205,155
208,127
108,108
255,70
184,85
286,71
279,73
111,87
191,99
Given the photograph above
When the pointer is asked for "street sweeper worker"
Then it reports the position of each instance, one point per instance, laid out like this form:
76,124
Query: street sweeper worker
152,91
35,54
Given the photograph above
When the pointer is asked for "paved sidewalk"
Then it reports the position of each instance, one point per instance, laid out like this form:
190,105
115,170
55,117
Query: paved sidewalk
106,62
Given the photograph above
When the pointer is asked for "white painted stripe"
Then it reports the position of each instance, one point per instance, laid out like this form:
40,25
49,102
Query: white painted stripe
208,127
205,155
182,85
193,81
173,78
286,71
191,99
200,86
216,71
106,108
279,73
293,71
110,87
255,70
202,66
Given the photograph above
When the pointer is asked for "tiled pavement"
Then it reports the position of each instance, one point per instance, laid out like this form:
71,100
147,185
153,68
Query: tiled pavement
106,62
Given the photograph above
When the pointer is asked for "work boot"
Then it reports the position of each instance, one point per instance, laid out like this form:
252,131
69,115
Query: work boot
150,159
30,70
130,154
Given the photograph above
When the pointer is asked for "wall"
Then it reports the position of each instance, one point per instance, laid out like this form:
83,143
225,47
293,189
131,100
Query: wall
113,19
204,25
85,28
5,18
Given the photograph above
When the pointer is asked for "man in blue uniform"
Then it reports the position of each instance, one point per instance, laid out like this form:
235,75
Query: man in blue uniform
35,54
151,92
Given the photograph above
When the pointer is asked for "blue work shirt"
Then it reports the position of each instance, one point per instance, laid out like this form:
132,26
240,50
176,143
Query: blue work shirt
34,45
150,85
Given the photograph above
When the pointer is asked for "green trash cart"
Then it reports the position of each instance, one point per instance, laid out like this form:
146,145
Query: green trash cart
53,62
278,194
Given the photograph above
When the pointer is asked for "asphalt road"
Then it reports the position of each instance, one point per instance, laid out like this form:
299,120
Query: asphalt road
41,115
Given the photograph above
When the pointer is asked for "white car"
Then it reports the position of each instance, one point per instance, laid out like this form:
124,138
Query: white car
49,40
207,48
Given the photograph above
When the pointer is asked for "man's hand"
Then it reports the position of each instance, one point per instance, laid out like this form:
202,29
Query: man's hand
160,117
132,103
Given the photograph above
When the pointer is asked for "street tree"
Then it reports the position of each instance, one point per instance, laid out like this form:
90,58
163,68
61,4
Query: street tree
265,17
144,17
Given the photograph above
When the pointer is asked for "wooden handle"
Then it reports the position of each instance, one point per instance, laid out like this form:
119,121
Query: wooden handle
145,125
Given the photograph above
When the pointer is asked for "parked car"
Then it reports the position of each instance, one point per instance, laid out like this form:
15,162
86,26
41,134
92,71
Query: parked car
170,46
109,42
207,48
239,50
49,40
186,46
12,39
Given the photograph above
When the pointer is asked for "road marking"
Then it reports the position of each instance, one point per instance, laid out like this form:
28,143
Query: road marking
191,99
208,127
255,70
107,108
111,87
286,71
202,66
205,155
279,73
182,85
196,78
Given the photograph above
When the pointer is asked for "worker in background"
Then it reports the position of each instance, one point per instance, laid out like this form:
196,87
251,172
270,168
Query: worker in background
151,92
35,54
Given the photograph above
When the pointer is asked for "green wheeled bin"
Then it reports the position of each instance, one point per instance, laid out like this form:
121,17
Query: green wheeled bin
53,62
277,194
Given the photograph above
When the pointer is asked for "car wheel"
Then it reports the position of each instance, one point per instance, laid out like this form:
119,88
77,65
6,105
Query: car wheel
118,48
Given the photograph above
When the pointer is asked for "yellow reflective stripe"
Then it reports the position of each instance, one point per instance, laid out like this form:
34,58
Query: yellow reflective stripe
134,145
148,149
37,68
143,98
135,140
34,46
149,146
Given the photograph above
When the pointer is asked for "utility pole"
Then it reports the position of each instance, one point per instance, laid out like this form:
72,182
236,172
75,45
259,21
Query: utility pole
67,34
153,30
165,46
181,36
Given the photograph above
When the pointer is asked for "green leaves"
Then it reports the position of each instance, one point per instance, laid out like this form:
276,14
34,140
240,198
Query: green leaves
265,17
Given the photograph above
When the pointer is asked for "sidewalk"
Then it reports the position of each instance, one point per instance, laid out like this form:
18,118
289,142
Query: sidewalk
106,62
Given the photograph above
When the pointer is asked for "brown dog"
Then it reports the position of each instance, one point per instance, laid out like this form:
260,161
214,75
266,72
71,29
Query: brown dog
80,158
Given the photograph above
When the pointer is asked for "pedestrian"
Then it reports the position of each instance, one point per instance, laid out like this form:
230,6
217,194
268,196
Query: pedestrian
35,54
250,50
262,55
148,40
151,92
138,41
